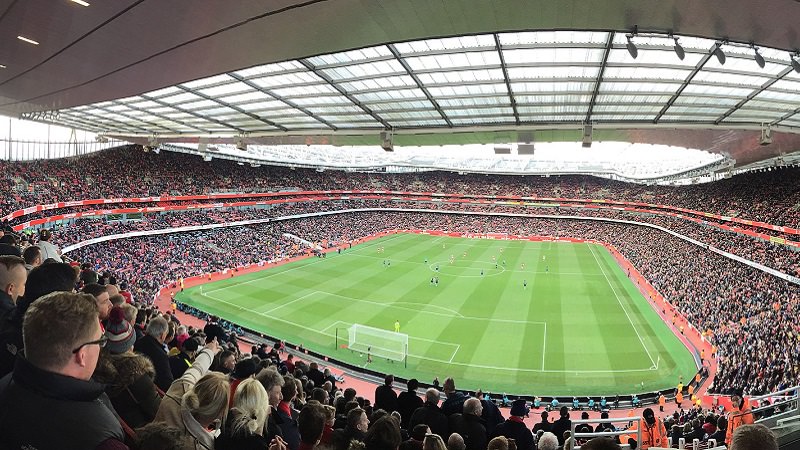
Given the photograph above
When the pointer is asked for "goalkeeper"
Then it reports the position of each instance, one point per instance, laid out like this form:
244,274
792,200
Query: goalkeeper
396,326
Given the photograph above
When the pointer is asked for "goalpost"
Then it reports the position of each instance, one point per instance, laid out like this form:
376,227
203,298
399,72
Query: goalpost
379,343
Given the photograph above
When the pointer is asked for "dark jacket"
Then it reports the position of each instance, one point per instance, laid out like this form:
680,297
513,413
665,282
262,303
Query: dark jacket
45,410
153,349
471,428
6,305
316,376
10,339
179,363
288,426
432,416
343,436
241,441
385,398
454,403
559,427
544,426
515,429
407,403
129,384
411,444
719,435
491,415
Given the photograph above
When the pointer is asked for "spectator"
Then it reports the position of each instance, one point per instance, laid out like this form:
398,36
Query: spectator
244,427
100,294
355,429
152,346
722,431
311,423
601,443
385,397
455,400
41,281
455,442
548,441
160,436
543,424
408,402
49,251
470,425
417,438
128,376
435,442
561,425
384,434
183,360
33,257
498,443
514,427
196,400
753,437
273,384
12,282
429,414
62,344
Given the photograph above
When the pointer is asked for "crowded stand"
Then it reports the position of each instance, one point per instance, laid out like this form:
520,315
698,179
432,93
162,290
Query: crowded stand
748,310
777,256
141,379
770,197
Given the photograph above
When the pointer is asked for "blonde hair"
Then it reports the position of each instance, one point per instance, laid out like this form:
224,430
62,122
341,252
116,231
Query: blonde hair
433,442
208,400
250,407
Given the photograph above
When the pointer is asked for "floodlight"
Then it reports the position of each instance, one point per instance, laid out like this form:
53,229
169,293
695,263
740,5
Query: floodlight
632,50
719,53
679,49
795,64
759,59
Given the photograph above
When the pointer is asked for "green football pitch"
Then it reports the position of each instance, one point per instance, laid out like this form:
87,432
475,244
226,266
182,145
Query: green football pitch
579,327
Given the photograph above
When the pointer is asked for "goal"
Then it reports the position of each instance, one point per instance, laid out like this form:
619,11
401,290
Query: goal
378,343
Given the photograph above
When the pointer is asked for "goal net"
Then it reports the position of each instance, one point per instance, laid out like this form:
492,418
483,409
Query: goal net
378,343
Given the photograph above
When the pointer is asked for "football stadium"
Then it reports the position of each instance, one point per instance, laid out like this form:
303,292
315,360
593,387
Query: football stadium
399,225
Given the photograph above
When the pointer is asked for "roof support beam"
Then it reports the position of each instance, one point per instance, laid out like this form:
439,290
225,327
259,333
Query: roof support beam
344,93
190,112
283,100
419,84
233,107
599,80
160,116
122,113
753,94
686,82
513,100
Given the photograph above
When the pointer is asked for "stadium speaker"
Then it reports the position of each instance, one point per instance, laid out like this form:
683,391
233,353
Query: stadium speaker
502,150
525,149
587,136
766,135
386,141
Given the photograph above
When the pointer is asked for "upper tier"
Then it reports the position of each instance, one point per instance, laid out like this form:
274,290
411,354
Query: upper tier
771,197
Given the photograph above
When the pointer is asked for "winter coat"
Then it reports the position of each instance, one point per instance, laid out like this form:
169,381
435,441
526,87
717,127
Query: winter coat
129,384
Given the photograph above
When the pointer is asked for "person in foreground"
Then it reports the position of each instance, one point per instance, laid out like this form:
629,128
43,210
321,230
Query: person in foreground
62,337
753,437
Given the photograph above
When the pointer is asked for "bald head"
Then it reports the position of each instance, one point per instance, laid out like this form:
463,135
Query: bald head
432,396
13,276
473,406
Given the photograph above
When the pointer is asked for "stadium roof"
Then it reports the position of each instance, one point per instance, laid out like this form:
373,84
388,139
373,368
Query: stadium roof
434,72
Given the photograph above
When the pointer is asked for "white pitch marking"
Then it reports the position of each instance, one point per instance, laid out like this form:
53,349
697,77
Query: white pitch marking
652,361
